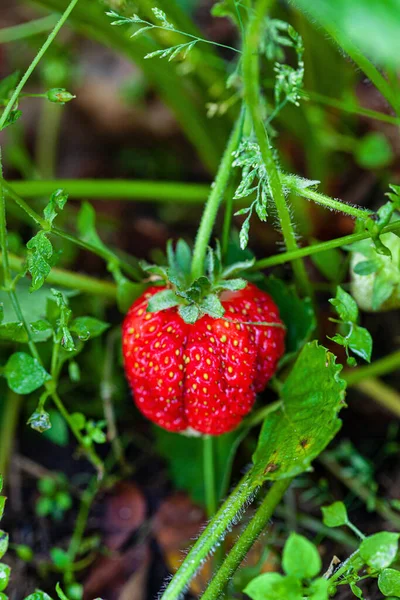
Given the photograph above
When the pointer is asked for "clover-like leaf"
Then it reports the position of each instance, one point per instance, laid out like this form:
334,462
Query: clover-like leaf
335,515
300,557
24,373
273,586
297,432
389,582
379,550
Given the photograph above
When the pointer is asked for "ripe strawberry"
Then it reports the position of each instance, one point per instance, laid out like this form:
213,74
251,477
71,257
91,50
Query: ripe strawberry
201,376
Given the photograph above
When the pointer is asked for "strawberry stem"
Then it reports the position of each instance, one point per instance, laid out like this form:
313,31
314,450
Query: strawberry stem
209,475
214,200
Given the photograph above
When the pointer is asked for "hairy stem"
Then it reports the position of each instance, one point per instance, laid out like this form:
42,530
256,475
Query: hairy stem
251,80
239,551
208,540
214,201
209,475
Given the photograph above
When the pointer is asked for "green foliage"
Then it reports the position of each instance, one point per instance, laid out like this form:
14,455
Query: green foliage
379,550
374,151
24,374
293,435
335,515
300,558
7,87
371,26
357,339
389,582
55,499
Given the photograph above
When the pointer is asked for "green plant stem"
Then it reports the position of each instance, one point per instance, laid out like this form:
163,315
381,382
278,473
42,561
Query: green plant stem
251,81
385,365
354,562
35,62
214,200
359,490
25,30
210,537
383,394
81,521
292,183
12,404
90,452
280,259
104,253
68,279
115,189
209,475
239,551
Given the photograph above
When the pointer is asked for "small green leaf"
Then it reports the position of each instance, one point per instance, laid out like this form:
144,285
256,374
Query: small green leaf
88,327
24,374
183,256
366,267
40,253
190,313
86,224
233,285
24,552
300,557
3,543
58,433
273,586
360,342
356,591
56,204
162,301
5,573
389,582
374,151
345,306
318,589
211,305
60,593
78,420
60,558
14,332
335,515
38,595
40,420
379,550
8,85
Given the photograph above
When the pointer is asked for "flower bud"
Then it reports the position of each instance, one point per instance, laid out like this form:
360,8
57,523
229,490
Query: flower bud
59,95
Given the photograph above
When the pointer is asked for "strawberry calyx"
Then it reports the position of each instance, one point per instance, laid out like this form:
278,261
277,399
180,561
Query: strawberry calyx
194,297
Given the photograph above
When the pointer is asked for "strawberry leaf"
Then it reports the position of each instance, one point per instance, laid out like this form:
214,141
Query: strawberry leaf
162,300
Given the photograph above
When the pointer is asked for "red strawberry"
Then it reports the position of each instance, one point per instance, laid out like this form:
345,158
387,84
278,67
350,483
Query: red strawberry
202,376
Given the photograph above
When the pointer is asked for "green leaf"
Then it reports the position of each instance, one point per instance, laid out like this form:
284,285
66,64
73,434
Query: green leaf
188,475
8,85
335,515
12,118
40,253
366,267
233,285
162,301
5,573
3,543
40,420
379,550
88,327
38,595
24,552
13,331
273,586
60,558
24,374
211,305
318,589
190,313
56,204
297,314
360,342
60,593
356,591
371,26
78,420
295,434
389,582
345,306
86,224
58,432
127,291
300,557
374,151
